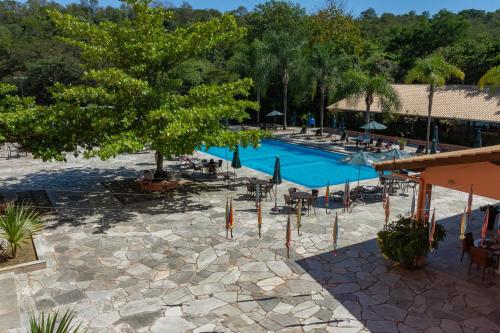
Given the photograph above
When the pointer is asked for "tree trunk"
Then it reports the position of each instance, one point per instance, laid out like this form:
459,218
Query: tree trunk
369,101
429,118
285,96
321,110
258,111
159,161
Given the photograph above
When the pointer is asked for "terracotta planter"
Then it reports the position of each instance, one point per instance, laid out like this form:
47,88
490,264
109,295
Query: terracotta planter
420,261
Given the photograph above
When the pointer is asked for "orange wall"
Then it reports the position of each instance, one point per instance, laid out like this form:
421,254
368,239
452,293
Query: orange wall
484,176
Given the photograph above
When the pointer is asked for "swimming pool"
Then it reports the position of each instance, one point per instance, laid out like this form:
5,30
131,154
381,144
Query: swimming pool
305,166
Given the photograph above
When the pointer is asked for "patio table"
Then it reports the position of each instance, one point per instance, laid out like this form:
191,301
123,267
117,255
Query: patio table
303,196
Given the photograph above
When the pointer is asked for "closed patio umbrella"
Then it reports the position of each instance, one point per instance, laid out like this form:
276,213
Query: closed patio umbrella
259,219
387,208
463,224
346,199
327,197
299,216
335,232
478,143
276,180
432,228
236,163
484,228
231,217
227,217
359,159
288,241
469,201
373,125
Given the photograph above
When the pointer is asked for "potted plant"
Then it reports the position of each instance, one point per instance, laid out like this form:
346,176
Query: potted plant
406,241
402,143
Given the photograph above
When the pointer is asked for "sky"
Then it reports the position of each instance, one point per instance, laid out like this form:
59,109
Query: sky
355,6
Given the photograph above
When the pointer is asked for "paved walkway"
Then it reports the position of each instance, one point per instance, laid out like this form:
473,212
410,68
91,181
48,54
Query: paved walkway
10,316
164,264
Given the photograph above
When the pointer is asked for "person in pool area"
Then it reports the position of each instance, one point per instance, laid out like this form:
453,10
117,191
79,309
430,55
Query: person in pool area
212,168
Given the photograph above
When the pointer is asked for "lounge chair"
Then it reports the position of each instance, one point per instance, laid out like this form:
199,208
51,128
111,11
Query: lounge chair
343,137
325,138
420,150
372,192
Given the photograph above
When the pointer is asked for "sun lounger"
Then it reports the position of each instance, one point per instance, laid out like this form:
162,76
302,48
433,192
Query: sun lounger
343,137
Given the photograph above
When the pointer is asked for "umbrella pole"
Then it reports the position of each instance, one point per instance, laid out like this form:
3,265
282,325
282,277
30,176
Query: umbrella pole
275,198
359,173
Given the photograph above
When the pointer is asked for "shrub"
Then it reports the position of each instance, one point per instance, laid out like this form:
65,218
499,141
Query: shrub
406,239
52,324
18,224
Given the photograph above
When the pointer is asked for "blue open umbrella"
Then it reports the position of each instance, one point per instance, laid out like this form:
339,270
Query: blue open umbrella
276,180
373,125
360,159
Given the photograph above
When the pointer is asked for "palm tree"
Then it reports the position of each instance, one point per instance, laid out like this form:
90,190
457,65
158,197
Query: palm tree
246,61
18,224
358,84
434,71
282,53
325,70
491,78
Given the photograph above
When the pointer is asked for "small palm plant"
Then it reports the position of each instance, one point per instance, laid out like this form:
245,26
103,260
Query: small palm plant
52,324
18,224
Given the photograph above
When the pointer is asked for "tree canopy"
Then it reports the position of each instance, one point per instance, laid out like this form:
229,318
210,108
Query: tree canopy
125,102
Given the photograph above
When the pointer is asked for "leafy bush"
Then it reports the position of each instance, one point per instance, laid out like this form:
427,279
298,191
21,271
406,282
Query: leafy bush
18,224
52,324
406,239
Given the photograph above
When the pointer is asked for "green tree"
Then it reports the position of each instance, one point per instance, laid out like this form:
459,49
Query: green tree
125,101
283,54
326,69
247,61
358,84
434,71
491,78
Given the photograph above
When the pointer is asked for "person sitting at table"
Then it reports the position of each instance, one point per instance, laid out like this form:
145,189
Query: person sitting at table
212,168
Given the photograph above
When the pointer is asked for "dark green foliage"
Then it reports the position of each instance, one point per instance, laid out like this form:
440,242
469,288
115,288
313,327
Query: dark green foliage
406,239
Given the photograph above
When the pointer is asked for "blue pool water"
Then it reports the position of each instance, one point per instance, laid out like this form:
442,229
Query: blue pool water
305,166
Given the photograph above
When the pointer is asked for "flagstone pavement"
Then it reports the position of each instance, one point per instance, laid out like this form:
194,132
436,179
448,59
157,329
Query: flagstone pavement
164,264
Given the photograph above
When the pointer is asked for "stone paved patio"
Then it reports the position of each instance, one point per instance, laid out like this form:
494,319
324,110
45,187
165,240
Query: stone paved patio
166,266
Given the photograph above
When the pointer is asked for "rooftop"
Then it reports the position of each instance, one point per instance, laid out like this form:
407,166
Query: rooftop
463,102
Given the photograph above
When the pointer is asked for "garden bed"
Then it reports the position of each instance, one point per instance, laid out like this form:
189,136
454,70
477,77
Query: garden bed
27,259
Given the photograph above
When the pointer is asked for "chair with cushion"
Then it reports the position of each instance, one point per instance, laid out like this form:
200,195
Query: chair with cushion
467,243
482,258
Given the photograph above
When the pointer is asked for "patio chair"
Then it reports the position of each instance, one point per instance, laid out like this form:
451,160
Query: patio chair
250,190
268,189
310,203
357,195
315,194
467,243
420,150
337,195
289,204
482,258
292,190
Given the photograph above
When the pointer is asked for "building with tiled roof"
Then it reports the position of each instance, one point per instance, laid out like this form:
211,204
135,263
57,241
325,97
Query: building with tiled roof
460,102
